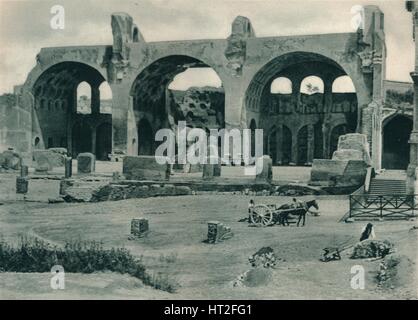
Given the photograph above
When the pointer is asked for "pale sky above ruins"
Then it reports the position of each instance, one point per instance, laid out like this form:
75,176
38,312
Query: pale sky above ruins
24,26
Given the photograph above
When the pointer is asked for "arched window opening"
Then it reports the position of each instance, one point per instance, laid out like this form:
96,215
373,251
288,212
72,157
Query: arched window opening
84,98
343,84
281,85
195,77
311,85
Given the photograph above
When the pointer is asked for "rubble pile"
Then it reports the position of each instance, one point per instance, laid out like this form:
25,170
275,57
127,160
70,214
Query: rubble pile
372,249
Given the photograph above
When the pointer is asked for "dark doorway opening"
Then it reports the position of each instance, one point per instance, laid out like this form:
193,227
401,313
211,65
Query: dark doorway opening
286,146
145,138
103,141
396,135
81,139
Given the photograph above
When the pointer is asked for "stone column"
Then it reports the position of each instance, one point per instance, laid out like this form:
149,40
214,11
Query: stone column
123,119
326,125
95,99
412,6
413,162
294,155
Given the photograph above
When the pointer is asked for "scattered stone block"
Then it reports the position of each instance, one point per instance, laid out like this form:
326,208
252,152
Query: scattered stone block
347,154
10,159
22,184
51,158
218,232
86,162
372,249
55,200
264,257
64,184
145,168
339,172
139,227
24,171
355,141
82,191
182,190
264,167
169,190
140,192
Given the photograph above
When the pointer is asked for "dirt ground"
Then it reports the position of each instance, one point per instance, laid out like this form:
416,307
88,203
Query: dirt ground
175,247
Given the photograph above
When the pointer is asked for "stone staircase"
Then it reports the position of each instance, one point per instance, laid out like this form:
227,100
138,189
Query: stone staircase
387,187
391,182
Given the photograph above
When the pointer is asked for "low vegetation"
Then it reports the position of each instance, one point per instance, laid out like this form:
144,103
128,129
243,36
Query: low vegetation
34,255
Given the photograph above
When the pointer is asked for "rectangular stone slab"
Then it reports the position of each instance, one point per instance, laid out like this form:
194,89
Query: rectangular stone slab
145,168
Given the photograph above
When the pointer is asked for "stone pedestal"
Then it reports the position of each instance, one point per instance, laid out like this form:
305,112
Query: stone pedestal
86,162
139,227
24,171
22,184
264,167
217,232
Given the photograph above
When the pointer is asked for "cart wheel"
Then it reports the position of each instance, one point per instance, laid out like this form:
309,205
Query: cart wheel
262,214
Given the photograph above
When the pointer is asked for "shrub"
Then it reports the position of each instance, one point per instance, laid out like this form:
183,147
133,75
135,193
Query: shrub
34,255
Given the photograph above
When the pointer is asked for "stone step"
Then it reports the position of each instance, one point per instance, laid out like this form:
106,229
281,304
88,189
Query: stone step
387,187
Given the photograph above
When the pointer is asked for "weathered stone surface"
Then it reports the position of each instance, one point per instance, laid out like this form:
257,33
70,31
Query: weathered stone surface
50,158
264,166
339,172
264,257
218,232
80,191
145,168
86,162
22,184
347,154
183,191
139,227
236,49
24,171
355,141
10,159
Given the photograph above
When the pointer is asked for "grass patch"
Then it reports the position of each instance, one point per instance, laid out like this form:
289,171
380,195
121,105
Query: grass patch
34,255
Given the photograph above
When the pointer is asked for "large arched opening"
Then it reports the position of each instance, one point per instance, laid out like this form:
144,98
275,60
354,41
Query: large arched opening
396,134
68,106
298,90
172,89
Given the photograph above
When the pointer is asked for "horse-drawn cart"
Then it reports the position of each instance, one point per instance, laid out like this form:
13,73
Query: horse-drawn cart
266,215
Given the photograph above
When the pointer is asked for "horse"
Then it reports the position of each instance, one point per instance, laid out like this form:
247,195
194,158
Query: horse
284,216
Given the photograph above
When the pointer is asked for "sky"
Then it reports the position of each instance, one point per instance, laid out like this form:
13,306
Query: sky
25,27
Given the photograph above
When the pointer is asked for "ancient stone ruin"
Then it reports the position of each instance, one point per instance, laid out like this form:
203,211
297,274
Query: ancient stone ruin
139,227
348,166
218,232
